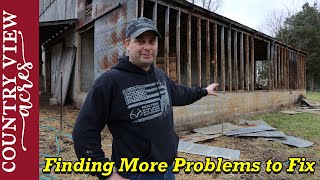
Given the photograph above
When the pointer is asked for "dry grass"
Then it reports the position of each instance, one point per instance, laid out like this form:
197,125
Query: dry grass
252,149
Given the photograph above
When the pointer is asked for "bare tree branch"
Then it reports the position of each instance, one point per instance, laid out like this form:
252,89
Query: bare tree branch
211,5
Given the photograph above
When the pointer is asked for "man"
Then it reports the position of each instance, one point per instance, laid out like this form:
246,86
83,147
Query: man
135,100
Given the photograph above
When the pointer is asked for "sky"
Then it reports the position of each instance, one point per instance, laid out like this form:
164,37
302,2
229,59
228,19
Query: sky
253,13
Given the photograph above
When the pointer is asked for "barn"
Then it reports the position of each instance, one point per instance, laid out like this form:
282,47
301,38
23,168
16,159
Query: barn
81,39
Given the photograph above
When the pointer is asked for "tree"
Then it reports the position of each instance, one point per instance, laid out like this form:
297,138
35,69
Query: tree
302,31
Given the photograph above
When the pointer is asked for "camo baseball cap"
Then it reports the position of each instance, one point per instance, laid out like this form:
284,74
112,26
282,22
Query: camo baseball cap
139,26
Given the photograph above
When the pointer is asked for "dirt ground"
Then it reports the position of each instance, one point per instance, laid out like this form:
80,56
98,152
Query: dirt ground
53,143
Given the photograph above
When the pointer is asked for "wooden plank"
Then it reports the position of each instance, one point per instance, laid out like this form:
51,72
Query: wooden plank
247,63
178,46
275,67
269,68
215,54
189,50
141,8
291,70
299,71
288,68
235,59
56,53
282,68
155,13
241,62
222,76
295,72
199,50
279,66
155,20
252,62
65,66
229,61
166,41
208,53
304,74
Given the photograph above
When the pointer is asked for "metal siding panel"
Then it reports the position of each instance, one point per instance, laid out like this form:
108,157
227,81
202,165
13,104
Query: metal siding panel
109,36
100,7
58,10
70,9
61,9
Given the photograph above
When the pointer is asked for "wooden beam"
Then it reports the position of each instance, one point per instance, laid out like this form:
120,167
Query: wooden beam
199,50
155,13
241,61
223,76
155,20
215,54
189,50
304,74
235,59
247,63
288,68
252,62
291,70
299,72
208,53
178,46
141,8
229,61
282,68
166,41
279,67
275,67
269,67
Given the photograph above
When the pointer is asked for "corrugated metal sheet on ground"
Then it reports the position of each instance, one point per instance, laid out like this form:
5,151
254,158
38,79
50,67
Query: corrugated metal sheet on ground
264,134
249,130
312,104
67,59
209,151
217,129
258,123
197,137
293,141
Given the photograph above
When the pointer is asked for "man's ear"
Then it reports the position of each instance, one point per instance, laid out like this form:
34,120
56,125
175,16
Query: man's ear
126,42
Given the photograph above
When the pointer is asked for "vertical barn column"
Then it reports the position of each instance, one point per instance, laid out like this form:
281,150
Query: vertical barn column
235,59
154,18
199,50
178,46
229,61
215,54
166,42
241,62
247,63
223,76
208,53
252,62
189,50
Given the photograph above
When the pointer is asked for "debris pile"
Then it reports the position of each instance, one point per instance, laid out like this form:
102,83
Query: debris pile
258,129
